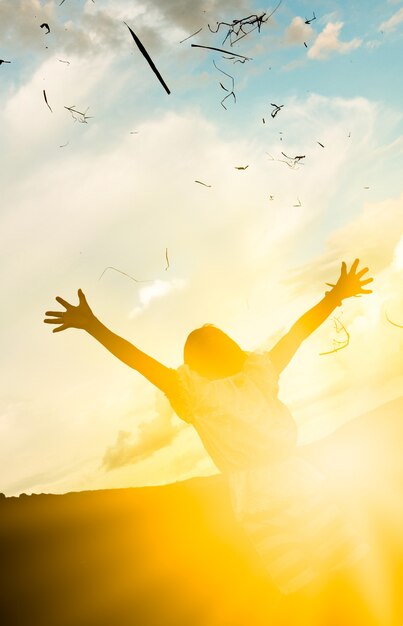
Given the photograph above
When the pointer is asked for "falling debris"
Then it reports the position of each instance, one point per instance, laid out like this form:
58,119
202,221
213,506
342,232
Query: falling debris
349,135
232,58
292,162
311,19
64,145
299,203
321,144
237,29
61,61
82,117
134,132
305,44
186,38
46,100
366,187
263,120
167,259
148,59
44,25
241,56
338,345
241,167
3,61
230,93
200,183
124,274
271,197
276,109
393,323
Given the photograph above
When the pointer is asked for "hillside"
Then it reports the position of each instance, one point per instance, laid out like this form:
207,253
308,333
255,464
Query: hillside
172,555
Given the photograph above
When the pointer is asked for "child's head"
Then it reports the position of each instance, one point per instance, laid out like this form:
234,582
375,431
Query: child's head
211,353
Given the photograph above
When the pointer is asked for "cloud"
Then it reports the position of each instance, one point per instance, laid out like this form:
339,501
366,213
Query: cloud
152,436
80,33
358,238
158,289
298,32
177,12
328,41
392,22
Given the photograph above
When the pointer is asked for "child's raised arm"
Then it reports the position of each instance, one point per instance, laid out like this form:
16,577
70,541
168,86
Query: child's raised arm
82,317
349,284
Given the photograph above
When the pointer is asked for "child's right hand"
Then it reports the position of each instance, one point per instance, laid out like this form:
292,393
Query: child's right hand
79,316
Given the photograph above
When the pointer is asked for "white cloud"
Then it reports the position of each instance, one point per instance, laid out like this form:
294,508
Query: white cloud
398,254
328,41
392,22
298,32
157,290
152,436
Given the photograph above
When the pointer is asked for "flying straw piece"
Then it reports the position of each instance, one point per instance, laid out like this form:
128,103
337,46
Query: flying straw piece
237,26
230,93
124,274
46,100
148,59
338,345
393,323
186,38
200,183
166,258
311,19
241,56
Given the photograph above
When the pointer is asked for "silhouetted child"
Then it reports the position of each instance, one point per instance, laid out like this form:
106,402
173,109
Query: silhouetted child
230,396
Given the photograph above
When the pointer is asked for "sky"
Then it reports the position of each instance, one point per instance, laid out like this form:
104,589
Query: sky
249,250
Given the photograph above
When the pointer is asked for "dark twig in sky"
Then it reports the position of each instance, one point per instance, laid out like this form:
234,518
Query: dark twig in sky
231,93
124,274
148,59
311,19
236,60
200,183
241,167
186,38
236,28
338,345
83,117
61,61
166,258
293,161
46,100
241,56
305,44
276,109
64,145
321,144
393,323
3,61
45,25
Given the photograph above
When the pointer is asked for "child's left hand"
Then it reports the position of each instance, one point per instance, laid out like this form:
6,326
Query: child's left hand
351,283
